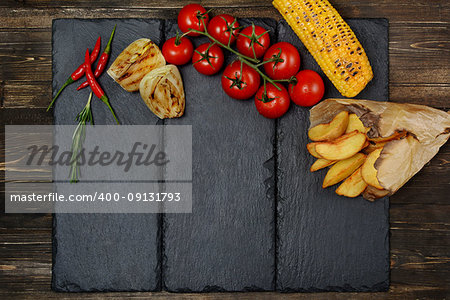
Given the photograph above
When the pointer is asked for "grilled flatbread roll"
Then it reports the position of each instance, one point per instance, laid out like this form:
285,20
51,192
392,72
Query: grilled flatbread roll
139,58
162,90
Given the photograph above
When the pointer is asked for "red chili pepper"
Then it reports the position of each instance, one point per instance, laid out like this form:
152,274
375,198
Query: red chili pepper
79,72
102,61
96,88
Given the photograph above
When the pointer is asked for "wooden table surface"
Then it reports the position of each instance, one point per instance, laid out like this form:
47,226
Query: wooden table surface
419,52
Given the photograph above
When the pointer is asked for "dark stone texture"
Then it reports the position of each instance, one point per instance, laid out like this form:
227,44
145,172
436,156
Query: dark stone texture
106,252
227,242
326,242
71,38
102,252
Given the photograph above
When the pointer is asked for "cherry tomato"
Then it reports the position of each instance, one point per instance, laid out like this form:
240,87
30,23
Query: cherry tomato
178,54
223,29
207,59
253,41
288,62
309,88
272,103
190,17
237,86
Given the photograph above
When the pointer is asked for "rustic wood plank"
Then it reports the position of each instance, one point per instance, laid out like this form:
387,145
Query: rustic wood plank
35,94
2,93
430,242
399,292
419,59
131,3
41,16
420,213
181,3
35,221
26,55
25,116
432,94
433,11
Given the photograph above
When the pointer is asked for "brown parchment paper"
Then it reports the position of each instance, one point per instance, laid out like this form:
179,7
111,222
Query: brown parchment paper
400,160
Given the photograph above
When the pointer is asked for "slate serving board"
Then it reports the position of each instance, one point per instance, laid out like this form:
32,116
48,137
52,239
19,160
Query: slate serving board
227,242
260,219
327,242
102,252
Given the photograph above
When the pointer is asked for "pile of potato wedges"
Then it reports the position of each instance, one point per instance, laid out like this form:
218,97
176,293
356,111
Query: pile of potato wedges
343,145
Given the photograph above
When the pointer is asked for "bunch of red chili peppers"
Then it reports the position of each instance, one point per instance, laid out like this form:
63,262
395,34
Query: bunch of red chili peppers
86,68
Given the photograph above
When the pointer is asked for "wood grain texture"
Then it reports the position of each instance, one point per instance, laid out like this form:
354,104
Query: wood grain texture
419,72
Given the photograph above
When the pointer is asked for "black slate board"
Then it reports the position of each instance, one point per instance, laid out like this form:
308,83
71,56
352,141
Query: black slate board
102,252
227,242
326,242
70,39
240,235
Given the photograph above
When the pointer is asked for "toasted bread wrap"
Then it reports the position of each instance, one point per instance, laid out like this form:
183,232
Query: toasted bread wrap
136,61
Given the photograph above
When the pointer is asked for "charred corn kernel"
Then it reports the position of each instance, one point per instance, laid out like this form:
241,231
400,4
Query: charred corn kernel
330,41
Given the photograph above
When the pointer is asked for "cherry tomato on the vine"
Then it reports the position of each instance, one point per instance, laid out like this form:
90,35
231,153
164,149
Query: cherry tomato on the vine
178,54
240,85
224,28
308,90
253,41
190,17
208,59
271,102
286,61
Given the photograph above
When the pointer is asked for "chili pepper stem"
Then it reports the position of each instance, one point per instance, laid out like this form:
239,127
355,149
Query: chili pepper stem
69,81
108,46
106,101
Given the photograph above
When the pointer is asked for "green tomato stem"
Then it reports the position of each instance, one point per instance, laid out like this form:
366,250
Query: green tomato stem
245,59
264,76
225,46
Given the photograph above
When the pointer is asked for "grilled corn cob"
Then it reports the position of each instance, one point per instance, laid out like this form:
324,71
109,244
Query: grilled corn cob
330,41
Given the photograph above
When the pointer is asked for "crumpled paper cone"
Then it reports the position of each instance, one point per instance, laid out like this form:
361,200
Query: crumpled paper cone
428,129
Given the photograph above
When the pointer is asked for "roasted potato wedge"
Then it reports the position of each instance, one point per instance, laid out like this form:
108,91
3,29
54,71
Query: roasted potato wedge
342,169
366,144
320,164
343,147
371,193
395,136
352,186
330,131
373,146
139,58
354,123
312,150
368,171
